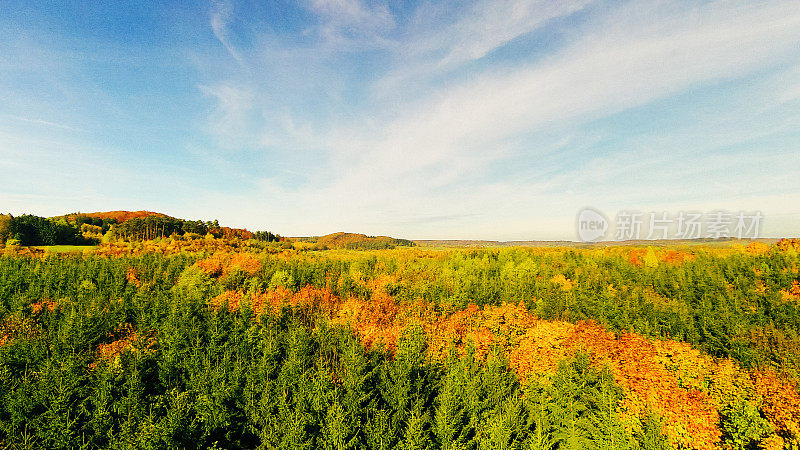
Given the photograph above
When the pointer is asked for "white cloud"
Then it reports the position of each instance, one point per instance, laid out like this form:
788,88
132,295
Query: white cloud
427,158
432,50
588,80
605,77
221,13
230,118
345,22
46,123
791,81
482,28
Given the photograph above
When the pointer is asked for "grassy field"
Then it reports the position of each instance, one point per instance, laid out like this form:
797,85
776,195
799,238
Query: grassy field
65,248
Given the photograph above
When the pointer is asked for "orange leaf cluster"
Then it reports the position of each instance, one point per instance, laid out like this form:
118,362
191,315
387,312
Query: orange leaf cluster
231,233
133,277
50,305
124,338
789,244
636,257
220,264
308,301
757,248
562,281
535,346
228,299
793,293
459,330
375,321
677,257
781,402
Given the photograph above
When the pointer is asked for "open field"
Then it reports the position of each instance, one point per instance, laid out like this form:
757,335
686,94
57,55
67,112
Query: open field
64,248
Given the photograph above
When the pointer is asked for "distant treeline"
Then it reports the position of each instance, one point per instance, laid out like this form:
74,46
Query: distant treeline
83,229
353,241
34,230
152,227
379,244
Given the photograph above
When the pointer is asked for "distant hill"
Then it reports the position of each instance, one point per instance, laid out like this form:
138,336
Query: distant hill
577,244
354,241
478,243
143,225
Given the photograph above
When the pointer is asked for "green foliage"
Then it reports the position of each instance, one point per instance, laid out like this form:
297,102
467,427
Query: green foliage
577,410
190,376
35,230
282,278
743,425
195,285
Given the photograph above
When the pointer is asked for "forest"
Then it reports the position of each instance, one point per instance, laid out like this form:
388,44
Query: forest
243,343
93,228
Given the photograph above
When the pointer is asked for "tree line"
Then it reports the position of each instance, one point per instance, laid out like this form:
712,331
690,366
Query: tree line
34,230
83,229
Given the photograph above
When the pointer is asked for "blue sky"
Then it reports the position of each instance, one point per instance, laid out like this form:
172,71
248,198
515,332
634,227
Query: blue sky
495,119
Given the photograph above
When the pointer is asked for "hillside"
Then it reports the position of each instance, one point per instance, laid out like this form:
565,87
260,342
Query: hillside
354,241
92,228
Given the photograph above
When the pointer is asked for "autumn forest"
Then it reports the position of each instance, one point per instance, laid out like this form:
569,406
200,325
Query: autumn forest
165,333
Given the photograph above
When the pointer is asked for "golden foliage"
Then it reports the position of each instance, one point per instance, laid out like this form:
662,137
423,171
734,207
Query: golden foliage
789,244
132,277
221,264
781,402
228,299
122,339
757,248
49,305
563,282
677,257
793,293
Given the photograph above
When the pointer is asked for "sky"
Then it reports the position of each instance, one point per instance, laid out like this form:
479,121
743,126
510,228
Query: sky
487,119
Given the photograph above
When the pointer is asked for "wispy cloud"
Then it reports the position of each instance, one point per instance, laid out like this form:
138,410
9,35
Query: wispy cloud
230,118
46,123
480,29
791,92
487,119
345,23
221,13
427,157
354,16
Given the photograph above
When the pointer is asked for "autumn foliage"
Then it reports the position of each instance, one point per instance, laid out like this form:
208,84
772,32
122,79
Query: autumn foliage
685,387
297,348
